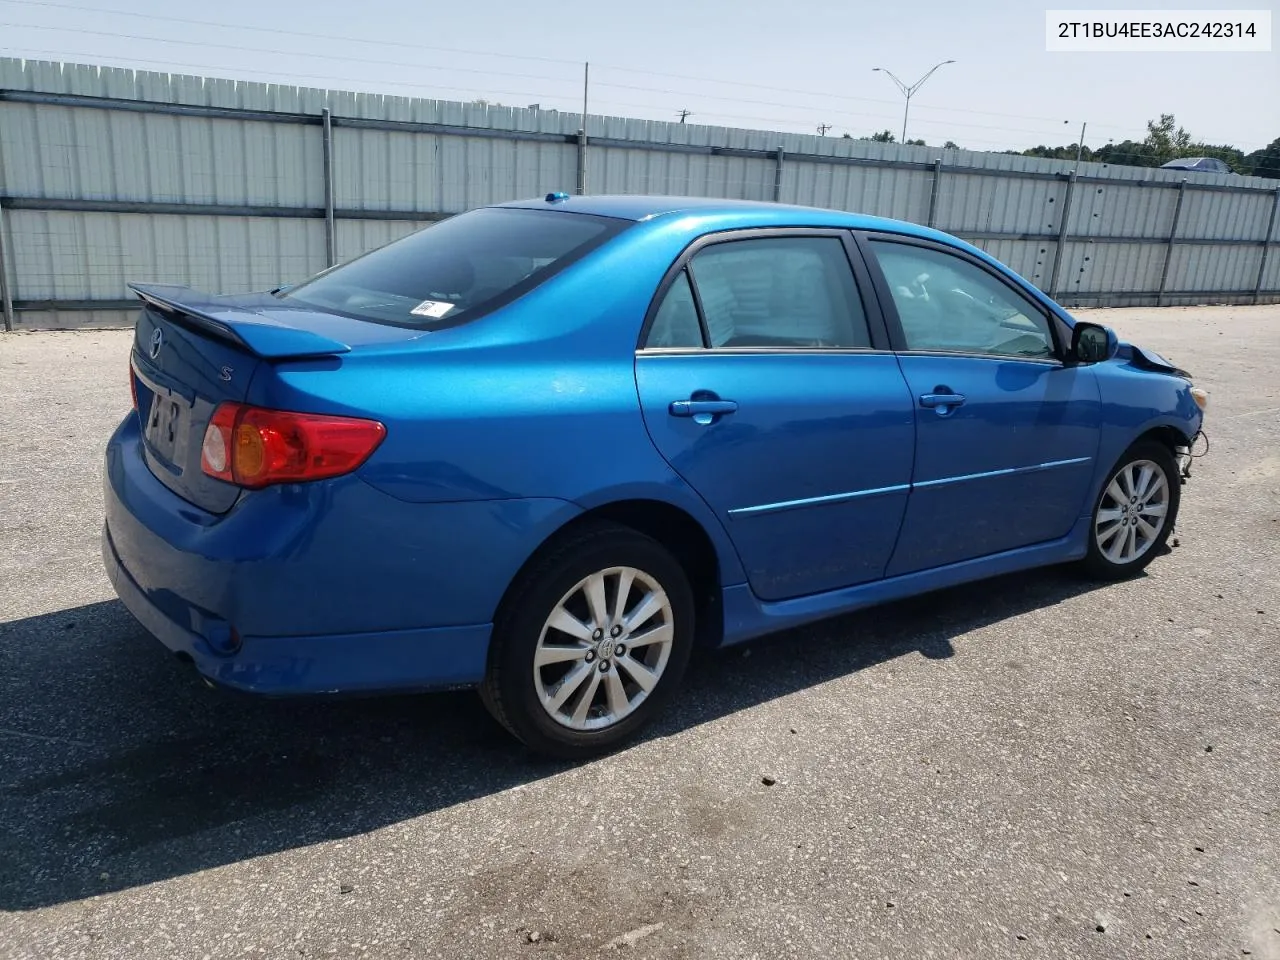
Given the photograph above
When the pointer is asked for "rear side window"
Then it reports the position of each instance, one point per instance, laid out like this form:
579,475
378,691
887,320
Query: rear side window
780,292
676,322
458,269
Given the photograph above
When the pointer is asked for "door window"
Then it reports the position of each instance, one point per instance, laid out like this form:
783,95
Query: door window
676,322
946,304
780,292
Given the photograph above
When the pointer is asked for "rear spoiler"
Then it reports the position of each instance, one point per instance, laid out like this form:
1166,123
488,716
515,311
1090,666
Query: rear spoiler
264,336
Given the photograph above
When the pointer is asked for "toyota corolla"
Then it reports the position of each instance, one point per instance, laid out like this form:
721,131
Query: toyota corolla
545,448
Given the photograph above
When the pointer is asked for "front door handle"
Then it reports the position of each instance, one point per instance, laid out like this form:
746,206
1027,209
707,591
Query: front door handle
941,400
702,408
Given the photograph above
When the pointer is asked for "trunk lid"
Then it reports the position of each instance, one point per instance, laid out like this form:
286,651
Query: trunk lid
192,352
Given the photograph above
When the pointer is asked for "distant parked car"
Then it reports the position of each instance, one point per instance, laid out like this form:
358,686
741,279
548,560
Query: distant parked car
545,448
1200,164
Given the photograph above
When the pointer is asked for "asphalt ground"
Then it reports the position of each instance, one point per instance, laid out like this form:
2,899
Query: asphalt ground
1028,767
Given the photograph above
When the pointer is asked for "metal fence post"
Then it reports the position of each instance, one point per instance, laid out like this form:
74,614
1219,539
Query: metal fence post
777,175
330,233
1173,236
933,193
582,132
1061,249
6,298
1266,247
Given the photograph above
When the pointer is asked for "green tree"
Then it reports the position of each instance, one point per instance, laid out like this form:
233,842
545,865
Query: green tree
1166,140
1233,157
1264,162
1052,153
1129,153
1065,152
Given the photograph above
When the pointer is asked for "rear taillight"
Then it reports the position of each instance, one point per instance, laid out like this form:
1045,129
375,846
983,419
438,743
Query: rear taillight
133,385
256,447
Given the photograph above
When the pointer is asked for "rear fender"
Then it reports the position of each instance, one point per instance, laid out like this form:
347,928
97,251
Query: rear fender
676,493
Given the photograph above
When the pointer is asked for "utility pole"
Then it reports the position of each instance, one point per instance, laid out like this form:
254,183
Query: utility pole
1080,144
823,128
685,113
582,133
909,91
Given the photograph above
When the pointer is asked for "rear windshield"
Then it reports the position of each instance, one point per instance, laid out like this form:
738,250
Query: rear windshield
458,269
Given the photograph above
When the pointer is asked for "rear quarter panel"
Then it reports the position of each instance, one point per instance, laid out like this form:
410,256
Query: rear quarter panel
537,400
316,558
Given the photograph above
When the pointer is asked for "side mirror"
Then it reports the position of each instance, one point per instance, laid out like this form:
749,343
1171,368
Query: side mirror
1093,343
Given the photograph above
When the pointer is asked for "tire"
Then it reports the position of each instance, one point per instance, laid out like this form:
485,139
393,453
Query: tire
1121,543
579,654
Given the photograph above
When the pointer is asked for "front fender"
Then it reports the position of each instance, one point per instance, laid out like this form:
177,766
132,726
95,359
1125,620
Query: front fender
1135,402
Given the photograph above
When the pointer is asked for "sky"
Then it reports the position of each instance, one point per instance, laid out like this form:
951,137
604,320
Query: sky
787,65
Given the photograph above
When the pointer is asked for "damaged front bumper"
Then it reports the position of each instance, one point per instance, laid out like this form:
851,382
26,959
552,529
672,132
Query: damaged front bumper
1185,454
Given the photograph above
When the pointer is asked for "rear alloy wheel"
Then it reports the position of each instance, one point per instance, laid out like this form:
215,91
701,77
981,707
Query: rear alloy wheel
593,639
1135,512
604,648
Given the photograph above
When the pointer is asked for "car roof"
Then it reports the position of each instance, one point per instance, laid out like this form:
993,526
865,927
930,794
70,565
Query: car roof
712,214
744,212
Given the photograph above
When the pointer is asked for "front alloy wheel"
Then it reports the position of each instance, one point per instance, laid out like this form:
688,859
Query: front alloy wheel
1135,512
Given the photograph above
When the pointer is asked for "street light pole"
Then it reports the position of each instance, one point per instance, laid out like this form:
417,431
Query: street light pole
909,90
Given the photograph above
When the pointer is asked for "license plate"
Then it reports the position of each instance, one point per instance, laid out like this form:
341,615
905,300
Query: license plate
166,426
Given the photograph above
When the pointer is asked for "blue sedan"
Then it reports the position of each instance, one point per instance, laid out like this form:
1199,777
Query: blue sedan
545,448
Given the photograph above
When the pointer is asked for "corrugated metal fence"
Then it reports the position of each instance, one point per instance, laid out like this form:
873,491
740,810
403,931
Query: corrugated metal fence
110,175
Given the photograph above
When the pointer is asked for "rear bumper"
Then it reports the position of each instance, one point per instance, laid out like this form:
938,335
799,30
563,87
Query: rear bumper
315,588
429,659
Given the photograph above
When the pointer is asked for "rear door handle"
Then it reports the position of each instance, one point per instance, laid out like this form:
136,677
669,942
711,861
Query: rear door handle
941,400
702,408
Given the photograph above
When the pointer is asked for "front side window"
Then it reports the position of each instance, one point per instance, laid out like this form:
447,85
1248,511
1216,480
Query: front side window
949,305
779,292
457,269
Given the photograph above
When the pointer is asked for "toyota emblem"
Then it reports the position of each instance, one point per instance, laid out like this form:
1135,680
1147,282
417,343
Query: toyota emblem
157,341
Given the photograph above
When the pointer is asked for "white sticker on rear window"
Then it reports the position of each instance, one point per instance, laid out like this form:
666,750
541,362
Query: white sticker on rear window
435,309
